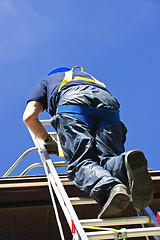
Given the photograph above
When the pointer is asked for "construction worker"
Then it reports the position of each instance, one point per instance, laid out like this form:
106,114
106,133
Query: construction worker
86,118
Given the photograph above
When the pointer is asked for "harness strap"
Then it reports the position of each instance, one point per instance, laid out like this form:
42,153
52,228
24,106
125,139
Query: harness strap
89,111
69,77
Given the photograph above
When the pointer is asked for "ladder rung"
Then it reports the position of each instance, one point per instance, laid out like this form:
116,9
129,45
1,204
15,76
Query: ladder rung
82,200
59,164
66,181
116,221
126,233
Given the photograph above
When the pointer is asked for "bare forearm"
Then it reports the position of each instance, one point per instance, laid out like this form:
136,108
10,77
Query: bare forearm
30,118
37,128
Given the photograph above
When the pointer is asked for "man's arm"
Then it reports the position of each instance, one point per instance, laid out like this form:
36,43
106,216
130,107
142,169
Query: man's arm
30,118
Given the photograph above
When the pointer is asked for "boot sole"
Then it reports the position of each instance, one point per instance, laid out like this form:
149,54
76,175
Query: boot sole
142,186
115,206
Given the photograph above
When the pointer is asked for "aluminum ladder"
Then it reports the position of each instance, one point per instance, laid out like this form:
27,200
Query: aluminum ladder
77,226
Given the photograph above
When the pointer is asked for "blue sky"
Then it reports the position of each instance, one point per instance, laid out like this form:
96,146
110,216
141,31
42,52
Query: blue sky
116,41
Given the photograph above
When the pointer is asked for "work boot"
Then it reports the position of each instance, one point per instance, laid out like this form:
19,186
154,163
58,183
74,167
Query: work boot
140,182
118,200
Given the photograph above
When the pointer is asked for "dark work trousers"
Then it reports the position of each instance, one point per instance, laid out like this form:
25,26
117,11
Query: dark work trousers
94,157
95,160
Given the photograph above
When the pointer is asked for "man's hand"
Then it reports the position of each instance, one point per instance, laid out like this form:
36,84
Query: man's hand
51,145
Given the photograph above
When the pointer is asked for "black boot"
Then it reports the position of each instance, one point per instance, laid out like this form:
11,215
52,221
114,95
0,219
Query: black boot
140,182
118,200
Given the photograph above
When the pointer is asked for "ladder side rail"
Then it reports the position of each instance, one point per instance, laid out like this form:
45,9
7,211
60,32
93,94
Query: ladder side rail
66,204
43,155
153,220
64,195
64,208
53,201
63,199
42,152
59,190
149,212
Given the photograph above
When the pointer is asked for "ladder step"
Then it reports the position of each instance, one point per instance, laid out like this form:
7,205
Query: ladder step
59,164
82,200
126,233
116,221
66,181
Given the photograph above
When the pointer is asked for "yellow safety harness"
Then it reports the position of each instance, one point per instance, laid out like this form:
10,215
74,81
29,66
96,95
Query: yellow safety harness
69,77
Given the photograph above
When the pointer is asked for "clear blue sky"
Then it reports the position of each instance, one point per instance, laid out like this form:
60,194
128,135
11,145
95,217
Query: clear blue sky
116,41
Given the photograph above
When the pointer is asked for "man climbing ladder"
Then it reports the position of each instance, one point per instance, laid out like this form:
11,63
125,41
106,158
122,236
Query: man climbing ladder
86,118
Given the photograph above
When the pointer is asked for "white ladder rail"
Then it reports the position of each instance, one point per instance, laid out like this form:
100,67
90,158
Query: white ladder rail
53,179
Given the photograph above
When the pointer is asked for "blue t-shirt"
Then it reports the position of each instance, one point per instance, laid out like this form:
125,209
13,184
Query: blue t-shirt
46,92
